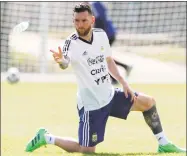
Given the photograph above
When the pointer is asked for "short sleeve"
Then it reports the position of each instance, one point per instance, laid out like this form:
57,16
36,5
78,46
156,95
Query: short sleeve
66,48
108,51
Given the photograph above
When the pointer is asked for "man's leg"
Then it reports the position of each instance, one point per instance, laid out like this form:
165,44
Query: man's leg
114,81
147,105
125,66
90,133
42,138
121,64
70,144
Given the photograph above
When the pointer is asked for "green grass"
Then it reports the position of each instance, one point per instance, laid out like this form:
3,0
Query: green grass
27,106
163,53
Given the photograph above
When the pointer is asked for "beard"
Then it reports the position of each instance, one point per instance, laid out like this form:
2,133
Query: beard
84,33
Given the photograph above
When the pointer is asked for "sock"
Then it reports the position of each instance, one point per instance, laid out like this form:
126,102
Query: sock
49,138
152,119
162,139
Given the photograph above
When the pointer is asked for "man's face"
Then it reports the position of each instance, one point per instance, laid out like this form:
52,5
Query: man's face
83,22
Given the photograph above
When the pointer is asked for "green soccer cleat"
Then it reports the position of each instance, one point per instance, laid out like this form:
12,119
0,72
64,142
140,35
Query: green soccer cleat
37,141
170,148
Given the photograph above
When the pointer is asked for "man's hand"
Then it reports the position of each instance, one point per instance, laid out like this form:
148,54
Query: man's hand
127,90
58,57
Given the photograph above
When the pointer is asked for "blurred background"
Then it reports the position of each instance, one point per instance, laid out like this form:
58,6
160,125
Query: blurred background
155,30
151,38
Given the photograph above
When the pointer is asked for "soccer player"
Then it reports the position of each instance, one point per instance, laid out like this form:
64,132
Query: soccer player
89,53
102,21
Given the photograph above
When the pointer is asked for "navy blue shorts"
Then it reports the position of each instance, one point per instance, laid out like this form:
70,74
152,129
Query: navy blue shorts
92,123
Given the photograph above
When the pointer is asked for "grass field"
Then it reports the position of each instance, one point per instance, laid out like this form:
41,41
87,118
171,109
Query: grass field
27,106
163,53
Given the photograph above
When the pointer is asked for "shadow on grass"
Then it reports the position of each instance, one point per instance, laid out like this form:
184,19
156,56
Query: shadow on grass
119,154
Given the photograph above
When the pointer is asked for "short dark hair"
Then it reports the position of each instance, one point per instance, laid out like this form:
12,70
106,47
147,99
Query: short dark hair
84,6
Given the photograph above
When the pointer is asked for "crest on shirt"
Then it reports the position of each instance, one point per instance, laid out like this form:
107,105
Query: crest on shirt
94,137
102,48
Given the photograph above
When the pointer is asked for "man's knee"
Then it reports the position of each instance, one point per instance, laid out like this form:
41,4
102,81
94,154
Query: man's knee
150,103
143,103
87,149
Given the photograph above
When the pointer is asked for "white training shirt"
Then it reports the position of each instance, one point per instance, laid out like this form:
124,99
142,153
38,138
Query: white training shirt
88,60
